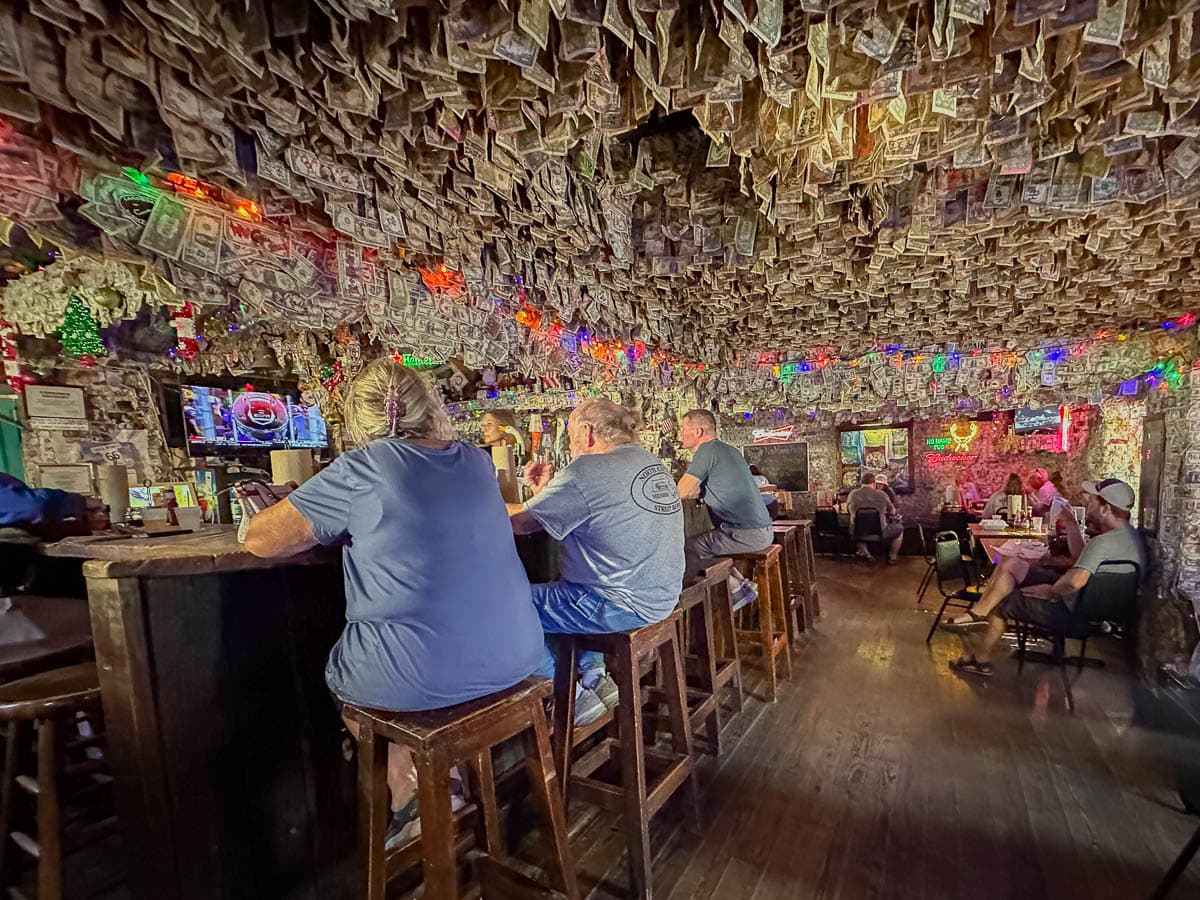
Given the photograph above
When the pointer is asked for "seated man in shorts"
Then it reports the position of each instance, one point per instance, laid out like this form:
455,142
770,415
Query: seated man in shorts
1051,603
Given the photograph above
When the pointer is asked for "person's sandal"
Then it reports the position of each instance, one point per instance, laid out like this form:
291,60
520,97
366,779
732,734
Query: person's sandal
975,621
971,666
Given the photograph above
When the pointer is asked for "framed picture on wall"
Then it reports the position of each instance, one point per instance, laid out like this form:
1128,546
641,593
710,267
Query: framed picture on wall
878,449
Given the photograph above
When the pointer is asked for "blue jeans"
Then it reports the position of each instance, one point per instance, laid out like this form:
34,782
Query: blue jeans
567,608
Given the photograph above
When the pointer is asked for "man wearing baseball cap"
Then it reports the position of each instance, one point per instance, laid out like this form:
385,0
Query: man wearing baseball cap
1052,604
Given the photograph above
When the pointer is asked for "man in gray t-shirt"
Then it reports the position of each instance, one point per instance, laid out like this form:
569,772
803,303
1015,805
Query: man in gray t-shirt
869,496
1049,602
617,513
720,475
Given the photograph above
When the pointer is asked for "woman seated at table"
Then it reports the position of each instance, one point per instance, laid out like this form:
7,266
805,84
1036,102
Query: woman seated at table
967,494
998,502
438,606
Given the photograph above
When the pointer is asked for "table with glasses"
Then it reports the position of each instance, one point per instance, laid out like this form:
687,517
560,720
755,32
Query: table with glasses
992,539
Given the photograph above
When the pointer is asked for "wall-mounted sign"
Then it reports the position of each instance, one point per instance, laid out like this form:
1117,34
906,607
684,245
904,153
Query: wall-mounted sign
52,406
959,439
933,460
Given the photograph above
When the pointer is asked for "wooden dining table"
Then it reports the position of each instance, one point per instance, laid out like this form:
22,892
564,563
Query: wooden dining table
992,539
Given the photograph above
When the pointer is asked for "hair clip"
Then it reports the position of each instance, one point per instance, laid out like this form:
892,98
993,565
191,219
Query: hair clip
394,409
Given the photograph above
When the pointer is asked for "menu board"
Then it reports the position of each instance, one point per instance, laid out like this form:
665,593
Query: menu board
880,450
786,465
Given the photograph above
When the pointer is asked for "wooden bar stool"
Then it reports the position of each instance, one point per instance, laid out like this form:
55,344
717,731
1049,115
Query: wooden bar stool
728,660
808,564
628,758
440,739
786,536
772,613
48,703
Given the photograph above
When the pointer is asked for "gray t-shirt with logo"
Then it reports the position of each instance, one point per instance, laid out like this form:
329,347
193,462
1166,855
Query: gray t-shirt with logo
620,521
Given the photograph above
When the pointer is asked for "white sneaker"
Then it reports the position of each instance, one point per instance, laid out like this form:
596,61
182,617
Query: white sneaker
588,706
606,690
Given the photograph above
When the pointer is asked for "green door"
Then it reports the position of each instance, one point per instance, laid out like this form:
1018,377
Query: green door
10,439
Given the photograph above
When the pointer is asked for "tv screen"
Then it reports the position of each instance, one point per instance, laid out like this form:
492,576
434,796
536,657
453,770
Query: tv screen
218,421
1030,421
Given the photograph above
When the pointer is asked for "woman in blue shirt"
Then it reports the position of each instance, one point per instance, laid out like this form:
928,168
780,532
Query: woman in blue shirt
438,606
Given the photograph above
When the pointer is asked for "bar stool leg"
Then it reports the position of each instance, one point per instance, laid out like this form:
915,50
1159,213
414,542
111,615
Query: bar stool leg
485,790
681,732
812,573
633,772
781,610
543,783
49,828
437,827
726,642
565,662
373,810
766,627
712,726
15,737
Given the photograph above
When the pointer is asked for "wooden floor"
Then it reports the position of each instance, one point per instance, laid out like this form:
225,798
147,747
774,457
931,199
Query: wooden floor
879,773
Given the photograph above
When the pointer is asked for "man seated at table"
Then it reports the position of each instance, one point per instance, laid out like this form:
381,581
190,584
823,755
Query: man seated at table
721,476
617,513
1047,600
1042,492
869,496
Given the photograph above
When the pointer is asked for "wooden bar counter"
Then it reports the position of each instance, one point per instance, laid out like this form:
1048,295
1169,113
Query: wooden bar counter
224,742
231,774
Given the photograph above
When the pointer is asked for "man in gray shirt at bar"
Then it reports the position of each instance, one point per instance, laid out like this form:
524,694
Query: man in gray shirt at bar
720,475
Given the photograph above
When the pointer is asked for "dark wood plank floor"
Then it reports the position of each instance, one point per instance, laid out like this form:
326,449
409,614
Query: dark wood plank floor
879,773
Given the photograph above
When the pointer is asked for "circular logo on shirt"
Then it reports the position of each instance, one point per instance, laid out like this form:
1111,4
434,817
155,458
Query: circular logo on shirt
654,491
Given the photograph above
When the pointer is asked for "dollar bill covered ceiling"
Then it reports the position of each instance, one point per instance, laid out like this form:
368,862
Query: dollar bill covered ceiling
714,181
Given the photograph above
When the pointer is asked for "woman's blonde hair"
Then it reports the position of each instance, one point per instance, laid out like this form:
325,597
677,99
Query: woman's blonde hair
391,400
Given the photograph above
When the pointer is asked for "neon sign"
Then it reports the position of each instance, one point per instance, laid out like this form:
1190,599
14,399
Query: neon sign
933,460
962,436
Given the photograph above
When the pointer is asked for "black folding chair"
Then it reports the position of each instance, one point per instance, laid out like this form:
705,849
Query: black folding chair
830,536
948,568
956,520
927,578
867,528
1109,596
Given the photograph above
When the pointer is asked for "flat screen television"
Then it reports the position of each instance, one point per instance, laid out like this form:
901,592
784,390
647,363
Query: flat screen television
1030,420
218,421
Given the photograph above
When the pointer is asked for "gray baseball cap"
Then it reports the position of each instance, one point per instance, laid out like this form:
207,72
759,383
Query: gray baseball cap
1112,491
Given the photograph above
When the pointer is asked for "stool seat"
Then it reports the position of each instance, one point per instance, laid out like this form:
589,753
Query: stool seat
427,726
755,555
50,694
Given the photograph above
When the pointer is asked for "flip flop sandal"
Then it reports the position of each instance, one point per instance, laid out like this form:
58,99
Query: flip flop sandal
974,622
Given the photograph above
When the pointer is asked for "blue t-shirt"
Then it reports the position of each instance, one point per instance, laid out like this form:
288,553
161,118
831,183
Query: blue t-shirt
437,603
727,486
620,521
22,505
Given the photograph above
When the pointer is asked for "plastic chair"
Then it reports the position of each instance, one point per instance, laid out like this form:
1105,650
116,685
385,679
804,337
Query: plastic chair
949,568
